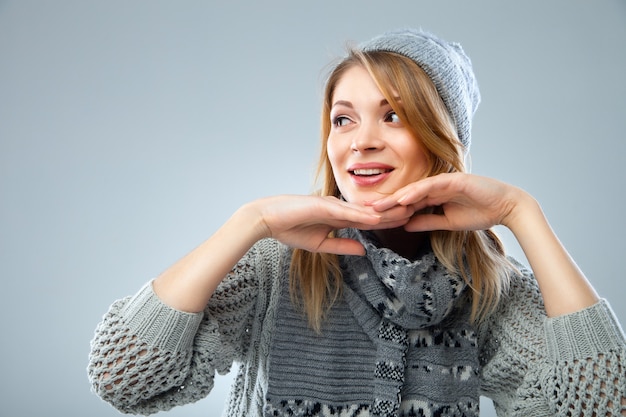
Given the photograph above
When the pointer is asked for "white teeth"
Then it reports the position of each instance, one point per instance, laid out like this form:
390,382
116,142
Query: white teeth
369,171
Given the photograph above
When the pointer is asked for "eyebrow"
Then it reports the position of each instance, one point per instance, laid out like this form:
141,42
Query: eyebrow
342,103
346,103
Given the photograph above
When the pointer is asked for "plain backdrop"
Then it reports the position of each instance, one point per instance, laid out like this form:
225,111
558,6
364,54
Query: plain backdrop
130,130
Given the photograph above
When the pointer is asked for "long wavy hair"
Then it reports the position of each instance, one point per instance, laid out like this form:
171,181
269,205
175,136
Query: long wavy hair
477,256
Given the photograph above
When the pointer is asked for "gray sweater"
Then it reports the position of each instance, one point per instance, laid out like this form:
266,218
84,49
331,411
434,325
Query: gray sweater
147,357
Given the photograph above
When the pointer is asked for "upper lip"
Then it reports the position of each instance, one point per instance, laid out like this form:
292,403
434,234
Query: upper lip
369,165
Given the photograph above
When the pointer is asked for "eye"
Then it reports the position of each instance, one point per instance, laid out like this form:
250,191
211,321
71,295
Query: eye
340,121
392,117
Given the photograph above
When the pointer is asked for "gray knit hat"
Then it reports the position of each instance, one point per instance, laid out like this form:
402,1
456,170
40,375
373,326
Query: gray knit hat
445,63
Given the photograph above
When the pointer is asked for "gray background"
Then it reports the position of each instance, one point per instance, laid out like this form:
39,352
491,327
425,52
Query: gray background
130,130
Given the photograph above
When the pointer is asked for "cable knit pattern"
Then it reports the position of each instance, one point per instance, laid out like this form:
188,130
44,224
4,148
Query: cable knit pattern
146,357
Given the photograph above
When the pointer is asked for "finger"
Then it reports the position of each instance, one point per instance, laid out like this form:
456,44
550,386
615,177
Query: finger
393,213
416,194
341,246
355,214
428,223
395,217
387,202
386,225
431,191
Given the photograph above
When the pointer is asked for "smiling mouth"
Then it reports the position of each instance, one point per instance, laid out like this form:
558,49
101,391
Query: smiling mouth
369,172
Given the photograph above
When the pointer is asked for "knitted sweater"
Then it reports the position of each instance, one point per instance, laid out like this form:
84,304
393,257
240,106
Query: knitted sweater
147,357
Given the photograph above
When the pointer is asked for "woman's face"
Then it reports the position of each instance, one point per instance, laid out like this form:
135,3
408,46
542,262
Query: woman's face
371,152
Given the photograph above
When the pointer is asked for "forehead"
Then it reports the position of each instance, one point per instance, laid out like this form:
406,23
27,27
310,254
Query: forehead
356,83
357,88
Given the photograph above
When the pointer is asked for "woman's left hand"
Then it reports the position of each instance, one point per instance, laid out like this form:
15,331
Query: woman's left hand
471,202
466,202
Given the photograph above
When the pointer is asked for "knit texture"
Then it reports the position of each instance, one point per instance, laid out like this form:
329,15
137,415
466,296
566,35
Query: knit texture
146,357
447,65
398,340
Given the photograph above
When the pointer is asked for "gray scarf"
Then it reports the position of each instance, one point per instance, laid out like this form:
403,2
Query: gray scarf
397,344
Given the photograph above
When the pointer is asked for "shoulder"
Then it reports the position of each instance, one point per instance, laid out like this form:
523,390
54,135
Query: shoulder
518,320
522,295
270,258
260,271
259,264
269,250
511,339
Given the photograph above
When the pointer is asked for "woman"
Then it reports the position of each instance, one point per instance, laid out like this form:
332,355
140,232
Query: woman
385,295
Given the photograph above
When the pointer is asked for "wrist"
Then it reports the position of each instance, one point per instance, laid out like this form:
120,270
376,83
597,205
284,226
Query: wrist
524,211
250,217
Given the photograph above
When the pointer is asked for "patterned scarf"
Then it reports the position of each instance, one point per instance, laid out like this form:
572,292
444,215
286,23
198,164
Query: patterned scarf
397,344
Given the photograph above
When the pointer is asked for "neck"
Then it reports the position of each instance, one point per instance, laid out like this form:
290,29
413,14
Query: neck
410,245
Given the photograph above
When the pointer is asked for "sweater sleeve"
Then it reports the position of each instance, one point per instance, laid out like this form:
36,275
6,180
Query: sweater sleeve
572,365
147,357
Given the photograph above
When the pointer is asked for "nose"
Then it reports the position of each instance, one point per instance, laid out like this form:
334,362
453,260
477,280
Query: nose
367,139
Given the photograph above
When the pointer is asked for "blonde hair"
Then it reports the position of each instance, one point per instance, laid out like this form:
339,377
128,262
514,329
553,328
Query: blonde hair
477,256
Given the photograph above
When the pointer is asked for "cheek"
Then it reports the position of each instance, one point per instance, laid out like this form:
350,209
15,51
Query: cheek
332,154
419,162
421,168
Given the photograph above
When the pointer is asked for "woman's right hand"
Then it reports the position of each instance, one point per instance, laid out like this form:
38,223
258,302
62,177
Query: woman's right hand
305,222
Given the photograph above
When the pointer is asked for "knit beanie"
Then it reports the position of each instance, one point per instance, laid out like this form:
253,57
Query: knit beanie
447,65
